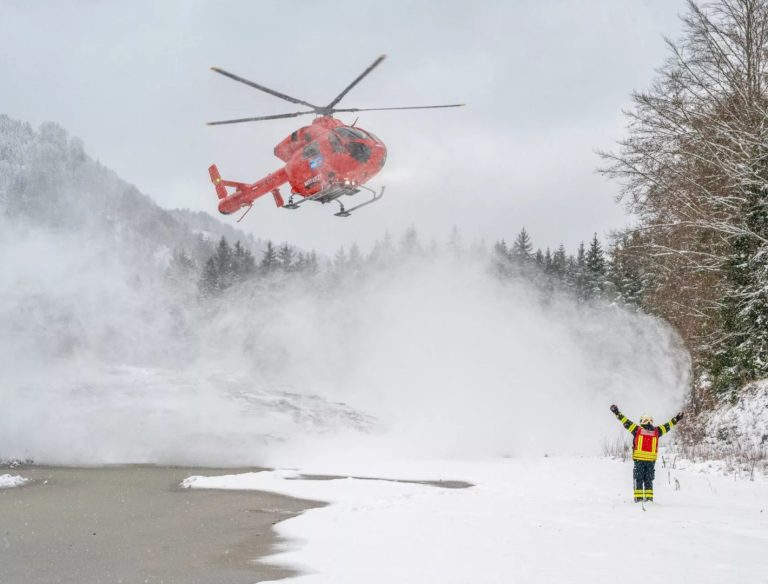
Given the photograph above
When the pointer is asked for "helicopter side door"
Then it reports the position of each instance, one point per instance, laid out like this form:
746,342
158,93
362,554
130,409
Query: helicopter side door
309,169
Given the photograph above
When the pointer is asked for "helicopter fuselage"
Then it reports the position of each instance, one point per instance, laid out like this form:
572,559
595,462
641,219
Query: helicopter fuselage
328,153
324,161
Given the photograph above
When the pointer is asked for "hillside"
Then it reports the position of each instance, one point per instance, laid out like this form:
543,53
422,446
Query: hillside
731,435
48,181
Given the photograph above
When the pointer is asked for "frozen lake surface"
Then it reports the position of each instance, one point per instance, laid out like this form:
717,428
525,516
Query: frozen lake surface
134,524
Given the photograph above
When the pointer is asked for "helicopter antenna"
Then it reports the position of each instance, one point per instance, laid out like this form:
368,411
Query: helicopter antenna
328,110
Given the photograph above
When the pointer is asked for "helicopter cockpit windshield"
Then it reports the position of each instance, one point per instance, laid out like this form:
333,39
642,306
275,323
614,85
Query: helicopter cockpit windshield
350,137
348,133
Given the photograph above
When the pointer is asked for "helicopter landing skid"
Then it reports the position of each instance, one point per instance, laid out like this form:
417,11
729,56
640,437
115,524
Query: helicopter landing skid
334,193
291,205
327,195
347,212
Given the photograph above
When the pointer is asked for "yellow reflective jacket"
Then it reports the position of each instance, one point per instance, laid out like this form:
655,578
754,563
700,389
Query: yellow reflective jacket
646,438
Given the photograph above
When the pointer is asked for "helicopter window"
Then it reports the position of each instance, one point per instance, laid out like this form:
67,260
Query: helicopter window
335,143
359,151
348,133
311,150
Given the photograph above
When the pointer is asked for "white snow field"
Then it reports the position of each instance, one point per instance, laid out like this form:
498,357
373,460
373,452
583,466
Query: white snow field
544,520
8,481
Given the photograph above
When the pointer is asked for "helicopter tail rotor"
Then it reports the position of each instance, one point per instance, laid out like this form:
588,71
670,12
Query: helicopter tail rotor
221,190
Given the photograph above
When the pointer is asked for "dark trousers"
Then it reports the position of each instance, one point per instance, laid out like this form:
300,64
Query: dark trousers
644,473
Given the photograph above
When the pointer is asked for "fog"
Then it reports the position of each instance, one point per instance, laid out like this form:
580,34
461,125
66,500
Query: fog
424,357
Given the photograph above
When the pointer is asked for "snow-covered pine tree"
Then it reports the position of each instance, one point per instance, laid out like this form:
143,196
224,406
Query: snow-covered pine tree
741,355
269,261
300,265
560,263
501,258
522,248
355,257
181,268
209,279
285,257
576,273
243,262
340,260
312,266
382,253
594,269
223,258
548,262
625,272
410,245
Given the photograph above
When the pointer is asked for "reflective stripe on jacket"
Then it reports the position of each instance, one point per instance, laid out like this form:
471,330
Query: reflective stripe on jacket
646,443
645,446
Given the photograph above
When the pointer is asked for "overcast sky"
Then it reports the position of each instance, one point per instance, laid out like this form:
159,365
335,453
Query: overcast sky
544,81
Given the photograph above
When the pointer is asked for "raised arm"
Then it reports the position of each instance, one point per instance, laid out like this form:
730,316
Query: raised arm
625,421
668,426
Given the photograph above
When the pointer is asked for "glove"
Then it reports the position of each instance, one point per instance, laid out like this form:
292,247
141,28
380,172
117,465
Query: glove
679,417
615,409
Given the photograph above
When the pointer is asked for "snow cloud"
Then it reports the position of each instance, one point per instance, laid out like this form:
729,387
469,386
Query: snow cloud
454,363
427,358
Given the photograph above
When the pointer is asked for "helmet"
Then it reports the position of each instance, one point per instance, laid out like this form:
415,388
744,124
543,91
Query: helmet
646,419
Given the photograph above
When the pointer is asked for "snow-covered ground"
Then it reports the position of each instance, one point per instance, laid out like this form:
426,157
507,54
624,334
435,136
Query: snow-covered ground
8,481
525,520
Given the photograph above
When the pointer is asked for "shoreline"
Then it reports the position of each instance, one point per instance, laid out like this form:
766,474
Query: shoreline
128,523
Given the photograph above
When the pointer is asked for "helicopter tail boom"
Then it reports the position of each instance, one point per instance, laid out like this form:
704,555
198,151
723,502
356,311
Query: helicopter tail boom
245,194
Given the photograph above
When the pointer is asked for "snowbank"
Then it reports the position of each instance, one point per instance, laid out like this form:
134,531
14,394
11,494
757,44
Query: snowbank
743,423
565,520
8,481
733,438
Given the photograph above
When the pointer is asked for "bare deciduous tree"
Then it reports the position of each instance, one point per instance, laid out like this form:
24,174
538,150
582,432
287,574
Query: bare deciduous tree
694,167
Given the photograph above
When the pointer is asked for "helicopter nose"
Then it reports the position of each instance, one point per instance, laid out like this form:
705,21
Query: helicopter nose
383,156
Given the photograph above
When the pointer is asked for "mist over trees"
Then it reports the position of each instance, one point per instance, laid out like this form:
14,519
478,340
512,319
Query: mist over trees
589,274
694,169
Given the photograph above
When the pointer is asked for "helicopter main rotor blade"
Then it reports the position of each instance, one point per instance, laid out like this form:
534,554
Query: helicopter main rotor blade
262,88
370,68
381,109
259,118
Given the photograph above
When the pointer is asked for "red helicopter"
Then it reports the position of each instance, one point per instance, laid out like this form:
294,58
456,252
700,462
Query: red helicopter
324,161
